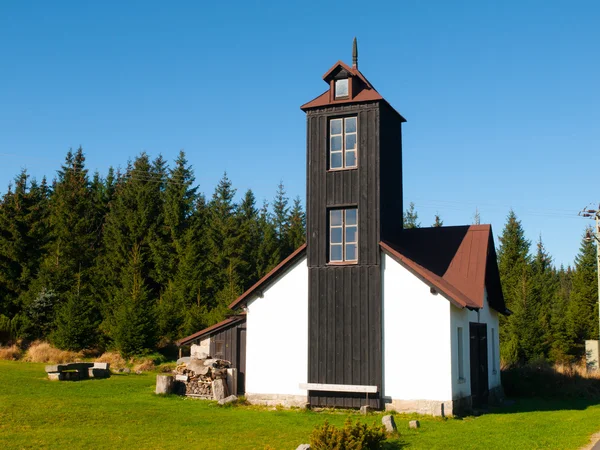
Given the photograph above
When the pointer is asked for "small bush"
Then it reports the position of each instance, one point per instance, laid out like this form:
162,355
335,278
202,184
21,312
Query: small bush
12,353
43,352
353,436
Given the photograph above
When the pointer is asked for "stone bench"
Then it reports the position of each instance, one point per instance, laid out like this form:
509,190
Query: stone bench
77,371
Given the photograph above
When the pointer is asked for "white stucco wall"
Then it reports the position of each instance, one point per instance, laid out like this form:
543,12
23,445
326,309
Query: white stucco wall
461,318
277,335
417,344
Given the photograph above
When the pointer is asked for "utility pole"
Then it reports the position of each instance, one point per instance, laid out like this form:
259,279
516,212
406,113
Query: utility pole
594,214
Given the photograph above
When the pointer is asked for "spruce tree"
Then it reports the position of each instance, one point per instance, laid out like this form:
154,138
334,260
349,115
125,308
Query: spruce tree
561,344
281,222
515,273
582,314
411,217
297,228
438,222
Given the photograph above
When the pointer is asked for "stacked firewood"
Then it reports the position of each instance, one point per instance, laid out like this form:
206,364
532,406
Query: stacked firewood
197,377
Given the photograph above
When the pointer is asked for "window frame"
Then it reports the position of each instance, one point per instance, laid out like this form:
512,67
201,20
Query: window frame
344,151
344,243
335,89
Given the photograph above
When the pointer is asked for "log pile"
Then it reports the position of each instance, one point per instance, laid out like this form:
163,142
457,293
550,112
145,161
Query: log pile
205,378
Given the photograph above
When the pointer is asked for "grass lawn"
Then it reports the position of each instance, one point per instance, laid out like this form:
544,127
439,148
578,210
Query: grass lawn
123,412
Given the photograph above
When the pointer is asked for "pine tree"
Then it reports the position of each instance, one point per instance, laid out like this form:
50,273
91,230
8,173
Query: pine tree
582,314
515,273
561,345
438,222
268,251
76,321
134,326
249,239
297,229
281,222
411,217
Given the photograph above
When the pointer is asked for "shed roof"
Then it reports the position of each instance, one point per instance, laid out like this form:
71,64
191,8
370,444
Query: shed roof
232,320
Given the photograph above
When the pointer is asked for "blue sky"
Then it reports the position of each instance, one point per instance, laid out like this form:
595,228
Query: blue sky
502,98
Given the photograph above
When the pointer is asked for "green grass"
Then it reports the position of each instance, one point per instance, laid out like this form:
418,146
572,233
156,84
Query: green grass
123,412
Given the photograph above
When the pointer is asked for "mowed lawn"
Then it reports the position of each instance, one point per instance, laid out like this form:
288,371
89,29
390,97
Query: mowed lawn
123,412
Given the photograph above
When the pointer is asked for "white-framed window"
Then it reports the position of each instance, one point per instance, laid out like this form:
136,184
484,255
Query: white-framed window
461,367
343,235
341,88
343,143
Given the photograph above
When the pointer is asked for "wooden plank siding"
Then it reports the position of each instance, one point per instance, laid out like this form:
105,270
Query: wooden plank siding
345,303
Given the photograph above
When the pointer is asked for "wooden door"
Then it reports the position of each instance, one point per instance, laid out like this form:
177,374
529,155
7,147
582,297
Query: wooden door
479,363
241,361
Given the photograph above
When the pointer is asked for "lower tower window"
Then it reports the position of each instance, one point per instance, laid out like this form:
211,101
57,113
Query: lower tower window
343,235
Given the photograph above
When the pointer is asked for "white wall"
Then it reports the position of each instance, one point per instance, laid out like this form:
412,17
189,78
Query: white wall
461,318
417,348
277,335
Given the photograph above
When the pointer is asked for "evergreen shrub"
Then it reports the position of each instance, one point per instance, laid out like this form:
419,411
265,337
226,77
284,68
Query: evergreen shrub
353,436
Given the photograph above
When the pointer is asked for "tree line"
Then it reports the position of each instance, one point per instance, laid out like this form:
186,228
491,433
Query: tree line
140,257
135,259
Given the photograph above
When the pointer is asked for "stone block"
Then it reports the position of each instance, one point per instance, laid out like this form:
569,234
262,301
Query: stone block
164,384
184,378
229,399
232,380
55,376
592,354
414,424
102,365
219,389
303,447
389,423
364,410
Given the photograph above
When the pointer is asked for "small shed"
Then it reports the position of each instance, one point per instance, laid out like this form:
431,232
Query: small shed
224,340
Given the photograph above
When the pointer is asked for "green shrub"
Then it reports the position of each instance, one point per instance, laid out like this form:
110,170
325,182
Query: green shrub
353,436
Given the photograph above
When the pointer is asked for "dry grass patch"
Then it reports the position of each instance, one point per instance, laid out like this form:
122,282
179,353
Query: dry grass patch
43,352
115,360
12,353
144,365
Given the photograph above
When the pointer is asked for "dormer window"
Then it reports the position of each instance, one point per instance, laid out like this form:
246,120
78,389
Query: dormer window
341,88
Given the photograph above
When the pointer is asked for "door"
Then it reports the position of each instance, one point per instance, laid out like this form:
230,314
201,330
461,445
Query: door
479,363
241,361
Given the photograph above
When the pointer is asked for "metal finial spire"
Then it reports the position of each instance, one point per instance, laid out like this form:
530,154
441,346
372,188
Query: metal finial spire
354,54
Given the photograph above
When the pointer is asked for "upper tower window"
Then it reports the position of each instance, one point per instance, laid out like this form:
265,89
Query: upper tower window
342,143
341,88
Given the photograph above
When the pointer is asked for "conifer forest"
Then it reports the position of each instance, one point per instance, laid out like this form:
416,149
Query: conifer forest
139,258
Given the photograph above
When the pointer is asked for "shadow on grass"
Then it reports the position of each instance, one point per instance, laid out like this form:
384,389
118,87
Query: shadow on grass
541,388
394,444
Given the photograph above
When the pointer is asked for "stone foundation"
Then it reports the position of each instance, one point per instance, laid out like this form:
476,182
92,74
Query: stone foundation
431,407
287,401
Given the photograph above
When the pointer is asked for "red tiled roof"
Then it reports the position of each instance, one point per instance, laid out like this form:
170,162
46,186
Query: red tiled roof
459,262
271,275
215,327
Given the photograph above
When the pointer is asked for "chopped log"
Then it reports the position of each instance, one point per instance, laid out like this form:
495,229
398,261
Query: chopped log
164,384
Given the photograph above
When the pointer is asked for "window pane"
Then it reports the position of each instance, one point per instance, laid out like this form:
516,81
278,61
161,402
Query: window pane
350,252
336,143
351,234
336,217
336,160
341,88
350,141
336,235
335,253
336,126
351,217
351,125
351,159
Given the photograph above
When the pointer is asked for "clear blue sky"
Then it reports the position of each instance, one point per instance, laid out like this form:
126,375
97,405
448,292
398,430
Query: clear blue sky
502,98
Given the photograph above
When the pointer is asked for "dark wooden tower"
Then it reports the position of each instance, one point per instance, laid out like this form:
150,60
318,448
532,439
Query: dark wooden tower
354,201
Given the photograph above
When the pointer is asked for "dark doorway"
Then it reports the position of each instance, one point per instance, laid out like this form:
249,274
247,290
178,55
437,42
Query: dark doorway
479,363
241,361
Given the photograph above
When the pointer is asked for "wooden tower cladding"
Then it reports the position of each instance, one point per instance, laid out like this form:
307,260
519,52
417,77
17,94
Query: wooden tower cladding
354,201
